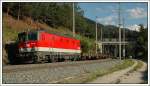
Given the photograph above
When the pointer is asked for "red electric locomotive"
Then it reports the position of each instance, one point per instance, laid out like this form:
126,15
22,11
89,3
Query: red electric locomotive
40,46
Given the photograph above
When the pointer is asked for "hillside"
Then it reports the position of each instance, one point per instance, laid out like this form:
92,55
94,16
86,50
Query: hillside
57,18
56,15
12,26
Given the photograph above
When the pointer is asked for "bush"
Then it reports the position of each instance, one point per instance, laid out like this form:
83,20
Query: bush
87,45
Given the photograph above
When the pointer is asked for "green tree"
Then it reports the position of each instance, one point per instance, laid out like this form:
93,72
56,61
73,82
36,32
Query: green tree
142,42
7,6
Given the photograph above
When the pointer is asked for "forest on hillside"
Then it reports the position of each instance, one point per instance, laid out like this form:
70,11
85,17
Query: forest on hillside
60,14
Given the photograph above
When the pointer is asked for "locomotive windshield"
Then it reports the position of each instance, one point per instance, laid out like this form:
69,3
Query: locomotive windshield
28,36
32,36
22,36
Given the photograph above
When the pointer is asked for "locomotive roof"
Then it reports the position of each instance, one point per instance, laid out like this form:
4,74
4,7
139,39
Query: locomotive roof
60,35
49,33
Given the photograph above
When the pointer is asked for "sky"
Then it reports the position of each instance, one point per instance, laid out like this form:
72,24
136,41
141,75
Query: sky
133,13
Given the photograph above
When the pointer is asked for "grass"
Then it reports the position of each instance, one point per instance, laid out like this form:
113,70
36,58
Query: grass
138,66
9,34
84,78
12,26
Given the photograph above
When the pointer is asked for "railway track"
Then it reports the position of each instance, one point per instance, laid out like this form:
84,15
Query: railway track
26,67
49,72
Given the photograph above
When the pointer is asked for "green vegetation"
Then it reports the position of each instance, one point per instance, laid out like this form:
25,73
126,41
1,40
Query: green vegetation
9,34
138,66
11,31
139,49
91,76
142,43
57,18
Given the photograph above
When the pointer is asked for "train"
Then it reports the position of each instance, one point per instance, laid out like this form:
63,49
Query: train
41,46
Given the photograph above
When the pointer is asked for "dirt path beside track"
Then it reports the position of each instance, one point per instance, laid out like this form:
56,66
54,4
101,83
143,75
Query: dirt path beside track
135,77
124,76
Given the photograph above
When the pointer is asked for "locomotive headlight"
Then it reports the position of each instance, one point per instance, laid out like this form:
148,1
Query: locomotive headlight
78,47
21,49
28,45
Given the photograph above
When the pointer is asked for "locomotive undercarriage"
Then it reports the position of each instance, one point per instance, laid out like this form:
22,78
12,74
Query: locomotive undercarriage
41,57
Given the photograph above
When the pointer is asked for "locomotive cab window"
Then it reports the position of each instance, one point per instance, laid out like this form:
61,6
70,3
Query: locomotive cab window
22,37
32,36
27,36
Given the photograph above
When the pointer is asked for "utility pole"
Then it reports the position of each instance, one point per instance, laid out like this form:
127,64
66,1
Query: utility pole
19,11
101,35
96,35
101,41
119,17
124,46
73,20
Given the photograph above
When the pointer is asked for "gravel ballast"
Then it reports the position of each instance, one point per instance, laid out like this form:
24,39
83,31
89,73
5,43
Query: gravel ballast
52,72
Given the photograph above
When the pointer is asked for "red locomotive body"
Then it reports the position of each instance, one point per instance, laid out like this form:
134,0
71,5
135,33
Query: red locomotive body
39,46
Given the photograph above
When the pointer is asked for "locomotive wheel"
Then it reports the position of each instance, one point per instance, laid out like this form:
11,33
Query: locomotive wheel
53,59
35,59
49,60
78,58
62,59
59,59
72,58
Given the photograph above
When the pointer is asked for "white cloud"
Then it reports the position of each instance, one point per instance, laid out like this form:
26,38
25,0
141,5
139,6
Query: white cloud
108,9
137,13
134,27
108,20
98,9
